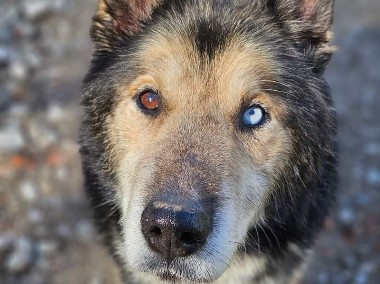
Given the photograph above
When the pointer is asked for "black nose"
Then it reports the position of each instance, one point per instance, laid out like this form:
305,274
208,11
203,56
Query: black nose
174,230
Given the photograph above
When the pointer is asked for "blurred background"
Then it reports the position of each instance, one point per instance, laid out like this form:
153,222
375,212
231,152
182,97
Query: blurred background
46,233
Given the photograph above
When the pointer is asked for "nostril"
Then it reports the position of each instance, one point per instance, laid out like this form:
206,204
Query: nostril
188,238
155,231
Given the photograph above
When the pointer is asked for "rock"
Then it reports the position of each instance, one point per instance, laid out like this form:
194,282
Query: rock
36,278
361,278
41,136
96,280
11,139
28,191
55,113
21,258
323,277
5,99
35,216
373,177
4,56
350,260
64,231
18,110
18,70
32,58
5,242
85,230
363,198
5,34
61,173
24,30
372,149
365,270
347,216
35,9
46,248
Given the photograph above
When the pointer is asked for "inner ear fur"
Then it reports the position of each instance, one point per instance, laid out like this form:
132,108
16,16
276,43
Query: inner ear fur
116,20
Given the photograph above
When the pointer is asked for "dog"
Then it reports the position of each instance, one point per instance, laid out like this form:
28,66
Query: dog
208,138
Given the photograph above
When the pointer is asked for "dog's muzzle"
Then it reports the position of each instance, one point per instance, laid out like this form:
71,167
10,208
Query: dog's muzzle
175,228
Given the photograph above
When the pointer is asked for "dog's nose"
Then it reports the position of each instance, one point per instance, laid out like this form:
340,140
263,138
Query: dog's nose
174,230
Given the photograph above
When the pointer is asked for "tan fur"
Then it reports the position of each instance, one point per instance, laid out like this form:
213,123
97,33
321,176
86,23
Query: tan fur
101,11
191,95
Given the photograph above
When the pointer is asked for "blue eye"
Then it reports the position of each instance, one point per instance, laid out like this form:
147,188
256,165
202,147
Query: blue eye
254,116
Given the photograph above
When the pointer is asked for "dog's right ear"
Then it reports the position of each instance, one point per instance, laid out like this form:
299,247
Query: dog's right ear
116,20
309,22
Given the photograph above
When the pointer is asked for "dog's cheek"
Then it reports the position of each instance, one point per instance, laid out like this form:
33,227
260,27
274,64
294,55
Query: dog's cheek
267,152
126,133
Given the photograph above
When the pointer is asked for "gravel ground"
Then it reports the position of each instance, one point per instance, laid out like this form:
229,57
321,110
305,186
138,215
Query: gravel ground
46,233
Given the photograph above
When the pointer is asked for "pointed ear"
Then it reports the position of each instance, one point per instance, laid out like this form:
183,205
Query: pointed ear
310,23
118,19
318,13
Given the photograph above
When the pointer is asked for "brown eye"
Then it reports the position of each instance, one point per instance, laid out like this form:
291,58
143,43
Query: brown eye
149,100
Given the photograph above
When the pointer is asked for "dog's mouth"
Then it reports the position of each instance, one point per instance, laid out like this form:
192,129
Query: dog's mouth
180,270
174,273
170,277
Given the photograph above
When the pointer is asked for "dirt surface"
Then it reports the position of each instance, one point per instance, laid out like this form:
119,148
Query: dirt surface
46,233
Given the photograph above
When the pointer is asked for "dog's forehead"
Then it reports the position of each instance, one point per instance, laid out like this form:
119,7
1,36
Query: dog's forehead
181,66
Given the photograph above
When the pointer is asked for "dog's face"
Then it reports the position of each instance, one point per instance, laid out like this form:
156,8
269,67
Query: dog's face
205,118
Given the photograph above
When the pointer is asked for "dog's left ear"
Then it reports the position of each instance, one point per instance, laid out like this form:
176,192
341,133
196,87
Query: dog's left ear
310,24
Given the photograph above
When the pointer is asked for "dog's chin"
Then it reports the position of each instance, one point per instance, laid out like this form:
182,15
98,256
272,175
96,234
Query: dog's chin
176,274
172,278
169,277
176,278
155,269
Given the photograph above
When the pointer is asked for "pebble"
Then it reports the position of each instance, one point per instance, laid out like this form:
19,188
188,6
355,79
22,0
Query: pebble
373,177
323,277
55,113
5,99
18,110
361,278
36,278
35,216
372,149
18,70
41,136
11,139
47,248
35,9
347,216
64,231
4,56
5,241
363,198
32,58
350,261
21,258
28,191
25,31
96,280
85,231
5,34
62,173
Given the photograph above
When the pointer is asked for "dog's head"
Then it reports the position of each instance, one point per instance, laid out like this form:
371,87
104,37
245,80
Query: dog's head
208,128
